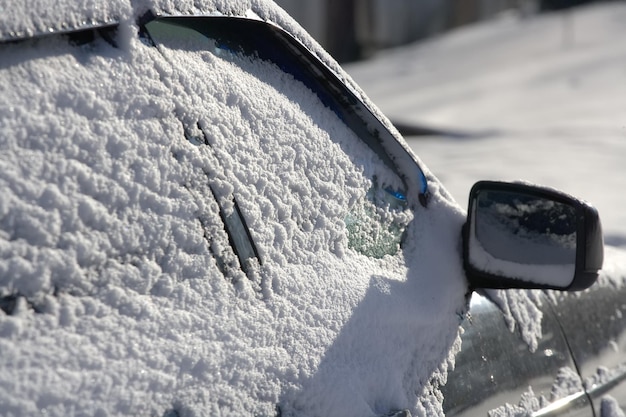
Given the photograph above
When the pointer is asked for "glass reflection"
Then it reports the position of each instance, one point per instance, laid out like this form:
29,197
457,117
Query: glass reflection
526,229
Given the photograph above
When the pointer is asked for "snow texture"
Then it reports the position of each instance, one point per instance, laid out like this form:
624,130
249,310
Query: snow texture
567,387
122,293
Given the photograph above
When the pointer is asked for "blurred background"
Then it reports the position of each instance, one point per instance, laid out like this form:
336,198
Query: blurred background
355,29
529,90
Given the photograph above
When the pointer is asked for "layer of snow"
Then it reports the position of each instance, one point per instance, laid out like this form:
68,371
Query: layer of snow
610,407
112,244
111,238
567,386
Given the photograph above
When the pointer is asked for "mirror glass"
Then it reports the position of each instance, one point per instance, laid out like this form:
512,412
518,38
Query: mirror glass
523,236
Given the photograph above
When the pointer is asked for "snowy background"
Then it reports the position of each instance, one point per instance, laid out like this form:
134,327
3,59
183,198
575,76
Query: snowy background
541,98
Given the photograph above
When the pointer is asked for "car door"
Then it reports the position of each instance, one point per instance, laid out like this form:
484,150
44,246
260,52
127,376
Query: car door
497,373
326,198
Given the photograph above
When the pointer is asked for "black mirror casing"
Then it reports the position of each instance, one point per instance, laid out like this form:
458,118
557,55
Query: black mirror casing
579,227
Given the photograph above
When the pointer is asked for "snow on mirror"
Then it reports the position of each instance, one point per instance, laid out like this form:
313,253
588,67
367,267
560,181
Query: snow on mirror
523,236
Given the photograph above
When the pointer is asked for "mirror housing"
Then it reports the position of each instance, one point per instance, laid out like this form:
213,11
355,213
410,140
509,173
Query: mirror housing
519,235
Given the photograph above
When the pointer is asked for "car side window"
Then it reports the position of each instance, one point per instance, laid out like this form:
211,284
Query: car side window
304,177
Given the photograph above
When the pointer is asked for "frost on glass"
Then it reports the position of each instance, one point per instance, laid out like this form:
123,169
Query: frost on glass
377,223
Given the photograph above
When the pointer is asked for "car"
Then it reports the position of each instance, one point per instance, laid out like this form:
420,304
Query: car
202,214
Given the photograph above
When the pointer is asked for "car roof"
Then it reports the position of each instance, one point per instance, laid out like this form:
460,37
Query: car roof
35,18
21,20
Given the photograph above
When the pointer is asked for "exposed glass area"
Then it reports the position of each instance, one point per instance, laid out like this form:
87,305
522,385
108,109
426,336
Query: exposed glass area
372,228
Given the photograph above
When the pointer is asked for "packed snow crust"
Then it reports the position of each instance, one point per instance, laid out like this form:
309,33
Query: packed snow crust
112,248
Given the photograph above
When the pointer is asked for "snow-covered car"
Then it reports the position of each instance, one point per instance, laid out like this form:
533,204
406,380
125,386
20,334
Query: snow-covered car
202,214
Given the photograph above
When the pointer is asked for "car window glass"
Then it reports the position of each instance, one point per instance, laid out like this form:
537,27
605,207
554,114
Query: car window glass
276,139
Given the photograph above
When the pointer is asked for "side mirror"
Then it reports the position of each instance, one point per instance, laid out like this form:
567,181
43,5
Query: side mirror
524,236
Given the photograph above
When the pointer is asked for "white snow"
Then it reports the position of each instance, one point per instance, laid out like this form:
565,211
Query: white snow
566,390
112,244
610,407
567,386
